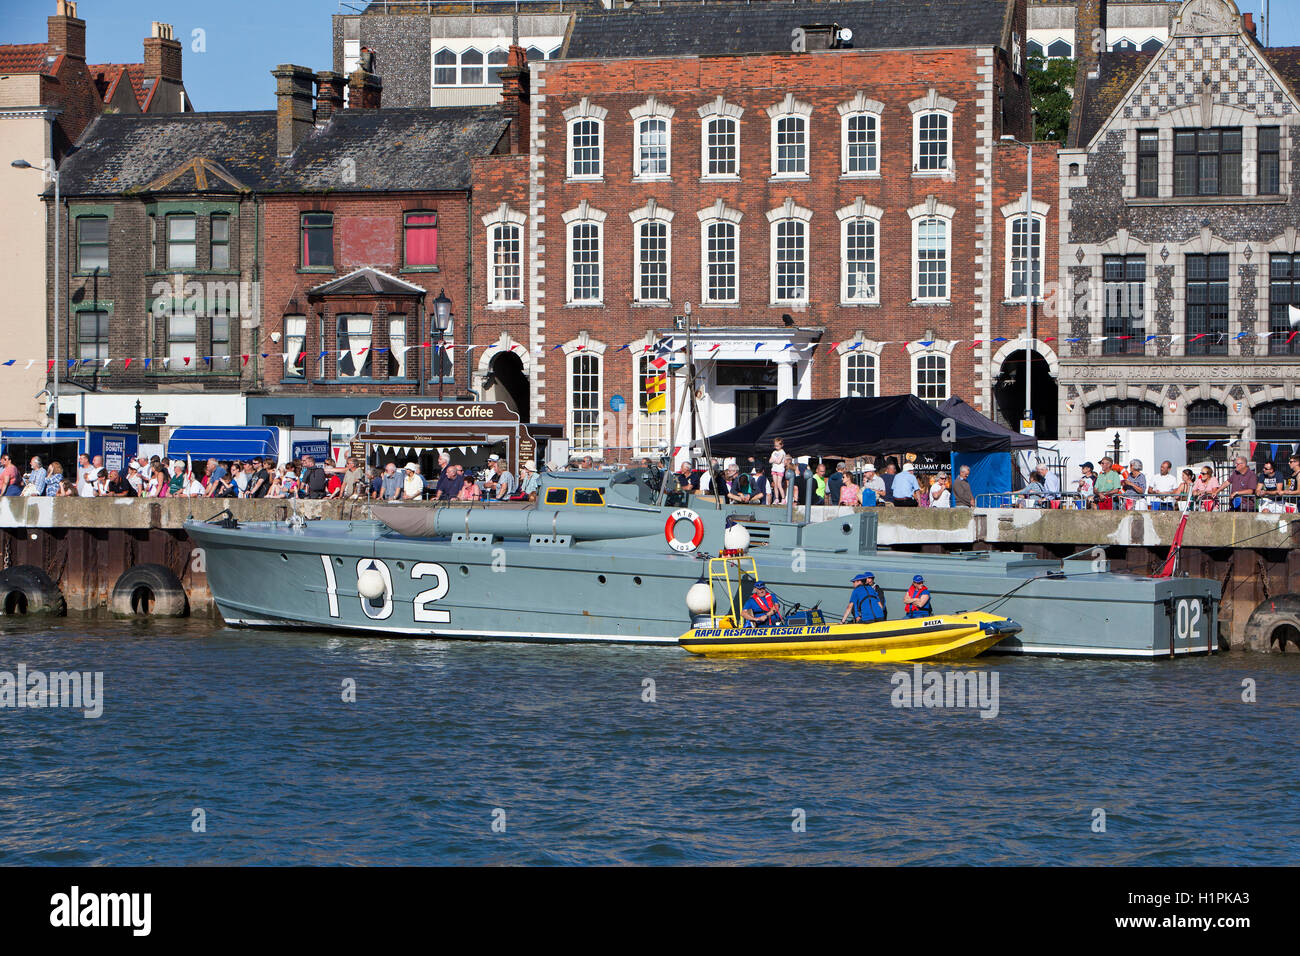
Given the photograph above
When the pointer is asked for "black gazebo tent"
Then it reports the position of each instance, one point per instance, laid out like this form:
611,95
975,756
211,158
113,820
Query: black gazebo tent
849,427
958,409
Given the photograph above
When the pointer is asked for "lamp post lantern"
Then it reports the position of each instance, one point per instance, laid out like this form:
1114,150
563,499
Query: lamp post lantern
441,323
54,368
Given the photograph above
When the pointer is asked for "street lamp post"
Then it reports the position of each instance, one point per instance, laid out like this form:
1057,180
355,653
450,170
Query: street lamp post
54,175
441,323
1027,420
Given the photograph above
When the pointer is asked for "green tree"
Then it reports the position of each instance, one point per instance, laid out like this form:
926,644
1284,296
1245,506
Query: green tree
1051,90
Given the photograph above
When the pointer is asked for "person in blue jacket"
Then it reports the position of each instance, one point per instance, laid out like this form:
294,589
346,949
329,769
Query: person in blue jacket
867,602
918,599
761,610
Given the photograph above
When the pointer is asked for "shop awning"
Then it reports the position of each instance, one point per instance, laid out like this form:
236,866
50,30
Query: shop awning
222,442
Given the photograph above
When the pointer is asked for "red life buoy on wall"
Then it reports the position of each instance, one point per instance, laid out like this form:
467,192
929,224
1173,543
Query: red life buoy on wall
670,530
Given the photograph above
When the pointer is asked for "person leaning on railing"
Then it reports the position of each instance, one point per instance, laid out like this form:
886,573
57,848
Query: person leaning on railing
1108,483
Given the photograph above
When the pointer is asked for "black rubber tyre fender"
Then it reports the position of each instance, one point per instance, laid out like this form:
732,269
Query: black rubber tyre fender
149,590
27,589
1270,615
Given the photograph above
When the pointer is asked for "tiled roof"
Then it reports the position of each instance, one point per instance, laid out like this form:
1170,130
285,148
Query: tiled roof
725,28
399,149
1286,60
26,58
108,76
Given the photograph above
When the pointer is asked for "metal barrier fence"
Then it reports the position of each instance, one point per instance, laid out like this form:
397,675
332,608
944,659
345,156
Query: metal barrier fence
1224,499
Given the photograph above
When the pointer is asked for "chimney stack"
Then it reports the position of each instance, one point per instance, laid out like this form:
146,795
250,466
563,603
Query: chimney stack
162,53
1089,36
293,113
1249,20
514,95
364,90
329,94
67,33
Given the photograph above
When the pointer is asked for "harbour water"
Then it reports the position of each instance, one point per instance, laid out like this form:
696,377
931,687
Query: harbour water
477,753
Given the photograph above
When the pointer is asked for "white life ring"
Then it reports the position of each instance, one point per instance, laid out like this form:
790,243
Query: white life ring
670,526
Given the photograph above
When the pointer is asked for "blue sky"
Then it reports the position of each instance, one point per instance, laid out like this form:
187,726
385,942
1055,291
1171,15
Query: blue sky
245,38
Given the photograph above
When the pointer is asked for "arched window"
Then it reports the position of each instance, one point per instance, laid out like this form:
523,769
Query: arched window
496,60
584,403
586,253
720,139
586,140
1278,421
652,235
930,261
860,136
652,418
1205,413
444,68
930,376
859,253
720,253
1060,48
789,253
933,141
471,68
1024,246
652,148
1124,414
505,228
790,137
858,374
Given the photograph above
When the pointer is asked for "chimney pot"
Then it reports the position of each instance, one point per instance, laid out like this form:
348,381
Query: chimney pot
514,93
1249,20
162,53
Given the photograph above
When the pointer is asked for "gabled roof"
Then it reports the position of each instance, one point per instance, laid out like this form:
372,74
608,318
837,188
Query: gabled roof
27,58
109,76
731,28
366,281
403,150
1117,72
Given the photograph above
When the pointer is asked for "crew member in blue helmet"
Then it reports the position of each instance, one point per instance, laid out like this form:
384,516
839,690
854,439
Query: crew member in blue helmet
918,599
761,610
867,602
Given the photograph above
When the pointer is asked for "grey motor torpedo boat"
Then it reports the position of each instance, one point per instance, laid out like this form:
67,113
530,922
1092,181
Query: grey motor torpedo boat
604,557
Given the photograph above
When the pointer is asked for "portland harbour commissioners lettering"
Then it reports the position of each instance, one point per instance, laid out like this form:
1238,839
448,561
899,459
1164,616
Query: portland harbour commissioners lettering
1186,372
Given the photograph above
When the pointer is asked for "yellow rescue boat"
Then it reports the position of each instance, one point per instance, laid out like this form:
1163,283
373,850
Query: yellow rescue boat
807,636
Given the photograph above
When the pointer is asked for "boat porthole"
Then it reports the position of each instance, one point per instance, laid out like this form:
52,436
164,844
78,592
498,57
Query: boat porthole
401,565
283,556
846,528
600,578
636,581
339,562
464,570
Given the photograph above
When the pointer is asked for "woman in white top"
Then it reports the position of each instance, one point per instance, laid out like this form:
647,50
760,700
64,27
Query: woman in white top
777,461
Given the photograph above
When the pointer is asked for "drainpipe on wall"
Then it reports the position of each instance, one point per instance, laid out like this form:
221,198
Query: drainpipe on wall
469,295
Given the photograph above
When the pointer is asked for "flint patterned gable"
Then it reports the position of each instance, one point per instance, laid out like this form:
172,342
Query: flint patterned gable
1180,199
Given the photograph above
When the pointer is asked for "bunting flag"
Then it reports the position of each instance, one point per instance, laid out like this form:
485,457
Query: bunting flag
147,361
245,358
31,362
187,359
11,361
656,388
663,352
128,364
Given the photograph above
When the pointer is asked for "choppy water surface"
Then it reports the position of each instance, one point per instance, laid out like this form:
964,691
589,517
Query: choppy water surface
251,728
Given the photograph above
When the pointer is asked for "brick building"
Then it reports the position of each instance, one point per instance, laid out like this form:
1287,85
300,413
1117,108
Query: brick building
1180,201
48,96
274,267
836,217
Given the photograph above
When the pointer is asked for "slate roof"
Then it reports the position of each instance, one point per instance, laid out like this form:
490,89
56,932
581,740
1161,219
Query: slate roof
366,281
1117,72
731,28
396,149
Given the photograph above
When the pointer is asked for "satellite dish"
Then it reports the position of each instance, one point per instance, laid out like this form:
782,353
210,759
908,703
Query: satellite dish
846,35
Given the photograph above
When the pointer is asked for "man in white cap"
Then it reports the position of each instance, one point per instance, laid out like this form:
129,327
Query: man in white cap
905,487
530,482
413,483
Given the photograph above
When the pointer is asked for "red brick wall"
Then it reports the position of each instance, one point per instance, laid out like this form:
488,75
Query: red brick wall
367,232
755,83
1009,186
497,179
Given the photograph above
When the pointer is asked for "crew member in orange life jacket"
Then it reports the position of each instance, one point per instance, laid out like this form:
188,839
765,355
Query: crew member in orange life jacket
917,603
761,609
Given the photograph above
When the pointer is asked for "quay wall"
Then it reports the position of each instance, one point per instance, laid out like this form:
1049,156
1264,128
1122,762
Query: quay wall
86,544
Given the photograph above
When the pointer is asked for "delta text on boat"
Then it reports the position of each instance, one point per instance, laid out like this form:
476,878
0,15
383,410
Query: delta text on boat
605,557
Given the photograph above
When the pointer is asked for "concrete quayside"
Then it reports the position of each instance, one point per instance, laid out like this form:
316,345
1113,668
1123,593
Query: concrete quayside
133,556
